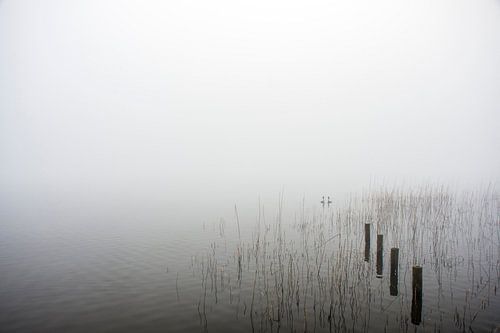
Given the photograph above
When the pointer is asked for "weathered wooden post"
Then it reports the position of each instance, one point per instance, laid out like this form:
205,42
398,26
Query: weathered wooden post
380,255
367,242
394,271
416,302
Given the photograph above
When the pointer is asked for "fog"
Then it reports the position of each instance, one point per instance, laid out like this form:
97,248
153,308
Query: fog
209,98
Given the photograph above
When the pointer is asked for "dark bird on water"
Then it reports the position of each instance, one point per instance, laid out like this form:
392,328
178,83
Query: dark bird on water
329,201
323,201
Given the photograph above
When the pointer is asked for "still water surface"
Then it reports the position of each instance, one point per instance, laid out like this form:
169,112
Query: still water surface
80,266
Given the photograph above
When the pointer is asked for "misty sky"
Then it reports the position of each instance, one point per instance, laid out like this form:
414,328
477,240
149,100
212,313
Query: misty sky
134,95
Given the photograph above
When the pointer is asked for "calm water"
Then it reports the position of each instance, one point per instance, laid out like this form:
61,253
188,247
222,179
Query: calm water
103,265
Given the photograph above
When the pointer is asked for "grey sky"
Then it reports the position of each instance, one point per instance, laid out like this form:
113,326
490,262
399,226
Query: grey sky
193,94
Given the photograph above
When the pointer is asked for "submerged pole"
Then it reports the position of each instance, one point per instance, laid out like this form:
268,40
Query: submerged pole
416,302
380,255
394,271
367,242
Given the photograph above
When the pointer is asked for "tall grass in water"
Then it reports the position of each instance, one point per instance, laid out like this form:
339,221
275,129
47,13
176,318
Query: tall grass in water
309,273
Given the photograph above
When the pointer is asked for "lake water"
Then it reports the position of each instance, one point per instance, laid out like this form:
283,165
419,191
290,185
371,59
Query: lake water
103,264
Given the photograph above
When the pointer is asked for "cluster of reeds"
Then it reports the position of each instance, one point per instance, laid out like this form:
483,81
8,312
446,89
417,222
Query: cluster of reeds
316,271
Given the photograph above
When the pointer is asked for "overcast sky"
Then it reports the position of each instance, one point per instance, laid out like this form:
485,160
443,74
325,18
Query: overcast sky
183,94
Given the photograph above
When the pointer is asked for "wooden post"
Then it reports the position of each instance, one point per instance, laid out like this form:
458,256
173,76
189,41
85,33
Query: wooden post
416,303
380,255
394,271
367,242
367,251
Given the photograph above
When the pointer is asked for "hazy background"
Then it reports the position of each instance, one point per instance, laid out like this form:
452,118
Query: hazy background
158,99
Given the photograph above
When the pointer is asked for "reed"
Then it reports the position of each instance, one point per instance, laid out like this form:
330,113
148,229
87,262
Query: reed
313,272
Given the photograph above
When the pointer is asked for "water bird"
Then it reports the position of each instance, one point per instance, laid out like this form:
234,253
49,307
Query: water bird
329,201
323,201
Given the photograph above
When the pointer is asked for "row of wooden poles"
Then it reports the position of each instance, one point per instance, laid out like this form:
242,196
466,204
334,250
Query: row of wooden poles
416,304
